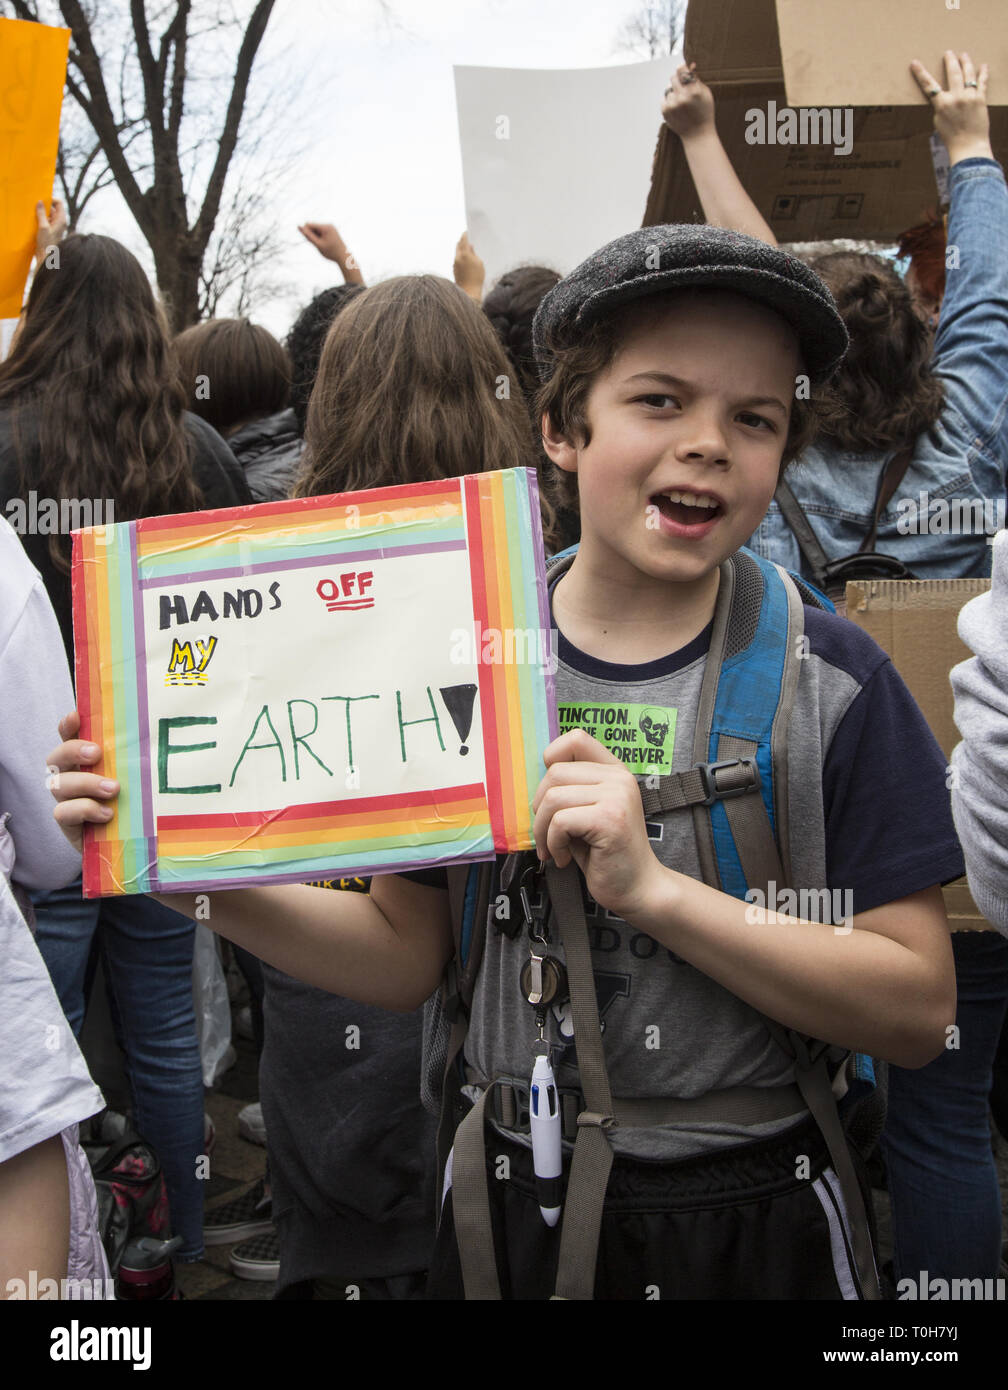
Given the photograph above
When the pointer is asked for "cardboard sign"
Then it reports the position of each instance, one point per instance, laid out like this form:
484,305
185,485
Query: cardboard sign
338,685
868,175
827,61
33,60
555,163
915,621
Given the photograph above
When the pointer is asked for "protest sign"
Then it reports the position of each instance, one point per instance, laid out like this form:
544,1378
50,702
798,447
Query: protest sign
32,72
333,685
555,162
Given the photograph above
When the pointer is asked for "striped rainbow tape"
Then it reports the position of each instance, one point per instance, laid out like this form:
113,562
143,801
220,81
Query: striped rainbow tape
494,517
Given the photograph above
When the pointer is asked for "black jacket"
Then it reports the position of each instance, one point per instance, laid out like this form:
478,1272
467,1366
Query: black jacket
217,475
268,450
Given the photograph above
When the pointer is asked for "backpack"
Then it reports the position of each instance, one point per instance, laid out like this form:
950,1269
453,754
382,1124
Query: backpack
737,795
132,1199
831,576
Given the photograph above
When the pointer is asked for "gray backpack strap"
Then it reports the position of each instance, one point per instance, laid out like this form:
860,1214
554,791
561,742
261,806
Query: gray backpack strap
457,988
593,1155
813,1078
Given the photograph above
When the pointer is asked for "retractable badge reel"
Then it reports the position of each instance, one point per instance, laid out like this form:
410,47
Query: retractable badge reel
543,980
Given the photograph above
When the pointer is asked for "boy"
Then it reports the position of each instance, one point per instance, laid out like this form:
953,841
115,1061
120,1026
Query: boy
672,356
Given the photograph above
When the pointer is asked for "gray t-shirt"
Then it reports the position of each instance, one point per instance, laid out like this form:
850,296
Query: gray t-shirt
870,818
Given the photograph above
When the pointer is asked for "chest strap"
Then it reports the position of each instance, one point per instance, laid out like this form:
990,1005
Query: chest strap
508,1106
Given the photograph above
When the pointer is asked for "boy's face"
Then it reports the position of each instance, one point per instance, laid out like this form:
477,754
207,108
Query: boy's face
697,402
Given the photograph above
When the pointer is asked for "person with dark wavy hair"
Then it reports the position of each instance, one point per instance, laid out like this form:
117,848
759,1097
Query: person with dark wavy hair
91,412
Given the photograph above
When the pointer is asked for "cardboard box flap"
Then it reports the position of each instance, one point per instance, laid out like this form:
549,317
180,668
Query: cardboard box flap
733,41
827,61
914,620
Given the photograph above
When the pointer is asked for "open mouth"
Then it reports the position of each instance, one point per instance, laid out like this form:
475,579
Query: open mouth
688,508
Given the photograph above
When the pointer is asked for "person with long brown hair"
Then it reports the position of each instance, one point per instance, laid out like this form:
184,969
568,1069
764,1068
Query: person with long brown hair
93,429
412,386
409,388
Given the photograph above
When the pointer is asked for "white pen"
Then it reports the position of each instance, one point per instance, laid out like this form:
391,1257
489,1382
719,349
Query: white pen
544,1115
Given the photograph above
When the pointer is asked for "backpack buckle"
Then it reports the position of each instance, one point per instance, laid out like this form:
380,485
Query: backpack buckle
751,781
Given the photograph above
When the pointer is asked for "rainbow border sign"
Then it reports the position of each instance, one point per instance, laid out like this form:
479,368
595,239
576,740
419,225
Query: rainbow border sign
351,684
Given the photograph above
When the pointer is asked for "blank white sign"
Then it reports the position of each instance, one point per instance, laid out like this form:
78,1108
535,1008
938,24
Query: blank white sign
556,162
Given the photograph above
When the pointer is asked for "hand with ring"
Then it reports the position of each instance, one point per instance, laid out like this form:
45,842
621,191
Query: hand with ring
960,109
688,107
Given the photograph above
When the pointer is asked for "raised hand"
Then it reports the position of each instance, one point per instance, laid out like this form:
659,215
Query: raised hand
960,108
688,108
469,270
328,243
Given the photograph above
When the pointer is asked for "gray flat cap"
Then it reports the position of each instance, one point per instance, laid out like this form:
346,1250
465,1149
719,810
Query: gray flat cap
657,259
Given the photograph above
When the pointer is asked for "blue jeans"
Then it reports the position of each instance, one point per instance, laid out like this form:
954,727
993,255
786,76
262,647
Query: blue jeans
148,955
946,1206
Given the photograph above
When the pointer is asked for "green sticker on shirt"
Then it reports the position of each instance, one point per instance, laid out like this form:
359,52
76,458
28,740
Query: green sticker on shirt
643,736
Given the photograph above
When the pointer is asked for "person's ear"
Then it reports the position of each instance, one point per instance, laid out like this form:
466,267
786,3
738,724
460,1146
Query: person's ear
558,447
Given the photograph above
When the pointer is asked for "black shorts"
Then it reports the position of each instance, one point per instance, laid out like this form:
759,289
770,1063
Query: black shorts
759,1221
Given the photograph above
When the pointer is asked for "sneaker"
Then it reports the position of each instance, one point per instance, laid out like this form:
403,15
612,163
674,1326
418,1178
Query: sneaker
250,1124
248,1215
258,1258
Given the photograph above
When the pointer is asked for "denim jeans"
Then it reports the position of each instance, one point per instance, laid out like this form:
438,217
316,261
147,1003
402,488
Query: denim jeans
148,956
946,1206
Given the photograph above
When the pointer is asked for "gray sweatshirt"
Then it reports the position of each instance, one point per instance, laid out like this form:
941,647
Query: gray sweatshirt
980,762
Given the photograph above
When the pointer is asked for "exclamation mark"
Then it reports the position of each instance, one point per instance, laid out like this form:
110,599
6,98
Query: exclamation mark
459,701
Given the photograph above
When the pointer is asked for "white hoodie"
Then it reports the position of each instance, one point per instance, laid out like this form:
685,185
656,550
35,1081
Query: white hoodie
980,762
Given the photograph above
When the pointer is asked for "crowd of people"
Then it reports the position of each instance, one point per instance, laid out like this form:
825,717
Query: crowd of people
679,471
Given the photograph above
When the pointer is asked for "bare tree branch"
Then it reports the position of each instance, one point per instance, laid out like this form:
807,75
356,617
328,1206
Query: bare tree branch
229,135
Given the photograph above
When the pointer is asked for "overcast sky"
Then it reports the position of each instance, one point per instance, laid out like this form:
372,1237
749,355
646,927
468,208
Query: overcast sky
367,128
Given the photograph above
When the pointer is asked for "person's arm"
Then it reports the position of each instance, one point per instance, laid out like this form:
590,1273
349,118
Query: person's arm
885,987
34,1215
328,243
971,342
35,688
387,948
468,270
688,110
980,761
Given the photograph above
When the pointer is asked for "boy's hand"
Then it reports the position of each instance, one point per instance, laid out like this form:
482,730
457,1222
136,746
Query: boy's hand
688,108
588,808
469,270
960,113
82,796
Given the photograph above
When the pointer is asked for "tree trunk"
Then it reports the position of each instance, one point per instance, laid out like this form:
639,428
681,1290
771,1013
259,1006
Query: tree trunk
178,281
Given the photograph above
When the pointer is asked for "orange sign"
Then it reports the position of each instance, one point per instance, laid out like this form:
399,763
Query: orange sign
33,59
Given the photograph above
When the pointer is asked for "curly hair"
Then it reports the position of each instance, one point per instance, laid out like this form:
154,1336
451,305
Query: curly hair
884,393
511,306
93,376
304,343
